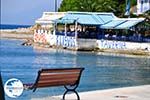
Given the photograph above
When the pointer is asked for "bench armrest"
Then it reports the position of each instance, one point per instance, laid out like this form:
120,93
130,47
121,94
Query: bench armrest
28,86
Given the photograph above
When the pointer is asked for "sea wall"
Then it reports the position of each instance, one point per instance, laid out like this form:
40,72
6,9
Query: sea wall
70,42
66,41
113,44
86,44
42,36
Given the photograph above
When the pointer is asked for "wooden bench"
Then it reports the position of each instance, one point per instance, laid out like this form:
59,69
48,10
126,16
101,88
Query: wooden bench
67,77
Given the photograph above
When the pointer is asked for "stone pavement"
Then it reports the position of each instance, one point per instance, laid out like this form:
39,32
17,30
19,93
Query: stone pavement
126,93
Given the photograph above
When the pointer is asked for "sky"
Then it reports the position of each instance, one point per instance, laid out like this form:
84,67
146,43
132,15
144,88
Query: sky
24,12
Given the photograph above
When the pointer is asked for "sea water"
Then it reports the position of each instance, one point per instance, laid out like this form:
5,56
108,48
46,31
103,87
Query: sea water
102,71
9,26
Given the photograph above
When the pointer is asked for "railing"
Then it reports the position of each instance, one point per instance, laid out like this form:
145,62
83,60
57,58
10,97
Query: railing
125,38
67,34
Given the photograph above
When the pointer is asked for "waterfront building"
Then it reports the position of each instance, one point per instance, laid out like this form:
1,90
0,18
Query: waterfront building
92,30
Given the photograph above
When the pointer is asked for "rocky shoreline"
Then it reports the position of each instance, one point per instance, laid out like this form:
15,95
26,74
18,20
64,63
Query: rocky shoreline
24,33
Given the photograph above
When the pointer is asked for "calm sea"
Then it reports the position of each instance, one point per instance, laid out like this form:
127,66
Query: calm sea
101,71
8,26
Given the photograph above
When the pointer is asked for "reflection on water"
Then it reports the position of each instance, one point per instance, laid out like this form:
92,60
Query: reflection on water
101,70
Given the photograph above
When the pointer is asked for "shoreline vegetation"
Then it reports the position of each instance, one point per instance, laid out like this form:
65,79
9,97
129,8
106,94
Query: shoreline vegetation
26,34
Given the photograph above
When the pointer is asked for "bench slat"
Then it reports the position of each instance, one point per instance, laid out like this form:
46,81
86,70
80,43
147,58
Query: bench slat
58,76
56,83
61,70
55,80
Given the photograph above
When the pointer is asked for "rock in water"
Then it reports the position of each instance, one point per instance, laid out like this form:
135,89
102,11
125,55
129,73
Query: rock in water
27,43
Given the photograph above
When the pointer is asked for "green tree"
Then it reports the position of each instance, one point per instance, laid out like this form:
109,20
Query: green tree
87,5
68,5
115,6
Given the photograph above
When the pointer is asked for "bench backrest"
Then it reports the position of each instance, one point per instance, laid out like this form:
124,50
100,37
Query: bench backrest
58,77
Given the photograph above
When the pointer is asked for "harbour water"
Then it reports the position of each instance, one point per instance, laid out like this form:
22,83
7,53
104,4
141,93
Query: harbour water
9,26
102,71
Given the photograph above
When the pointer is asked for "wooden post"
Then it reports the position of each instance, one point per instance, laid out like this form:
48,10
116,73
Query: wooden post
55,27
76,29
65,29
127,13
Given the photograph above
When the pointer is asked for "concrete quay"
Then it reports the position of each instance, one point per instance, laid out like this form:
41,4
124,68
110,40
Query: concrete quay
126,93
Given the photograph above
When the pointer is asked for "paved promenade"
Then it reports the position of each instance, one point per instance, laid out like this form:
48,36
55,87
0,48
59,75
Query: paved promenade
127,93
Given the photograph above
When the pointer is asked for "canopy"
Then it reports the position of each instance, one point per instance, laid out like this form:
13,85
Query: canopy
49,17
67,21
128,24
106,17
103,20
112,24
121,23
86,18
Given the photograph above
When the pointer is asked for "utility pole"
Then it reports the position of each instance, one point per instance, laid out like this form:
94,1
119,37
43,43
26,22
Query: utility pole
55,5
128,5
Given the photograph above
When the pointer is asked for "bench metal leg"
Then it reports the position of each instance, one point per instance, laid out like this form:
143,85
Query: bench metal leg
71,90
77,95
64,95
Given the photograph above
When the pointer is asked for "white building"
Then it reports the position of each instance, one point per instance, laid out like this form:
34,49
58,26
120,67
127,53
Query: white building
142,6
48,18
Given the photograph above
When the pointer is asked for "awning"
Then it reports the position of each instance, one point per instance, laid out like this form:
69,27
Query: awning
49,17
103,20
88,20
128,24
106,17
119,23
65,21
112,24
81,18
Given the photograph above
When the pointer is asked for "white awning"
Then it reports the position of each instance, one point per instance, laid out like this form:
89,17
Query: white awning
49,17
